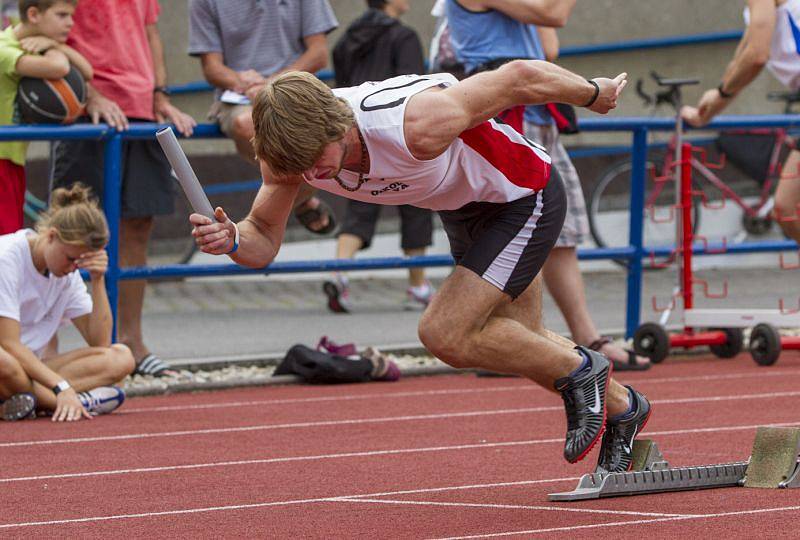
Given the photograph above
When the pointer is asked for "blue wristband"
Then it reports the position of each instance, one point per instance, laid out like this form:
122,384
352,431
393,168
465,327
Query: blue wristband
235,240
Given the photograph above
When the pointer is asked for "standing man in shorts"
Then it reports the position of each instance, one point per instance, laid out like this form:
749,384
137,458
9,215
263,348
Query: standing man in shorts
121,41
485,34
772,39
244,43
433,142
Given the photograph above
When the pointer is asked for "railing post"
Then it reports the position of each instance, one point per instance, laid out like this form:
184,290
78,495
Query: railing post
635,233
112,203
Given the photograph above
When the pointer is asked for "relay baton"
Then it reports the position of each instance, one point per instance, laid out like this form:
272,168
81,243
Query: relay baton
188,180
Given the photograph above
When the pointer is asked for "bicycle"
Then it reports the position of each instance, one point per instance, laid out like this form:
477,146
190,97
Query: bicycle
609,200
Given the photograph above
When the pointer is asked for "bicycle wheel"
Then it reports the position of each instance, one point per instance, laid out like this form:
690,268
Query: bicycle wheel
609,211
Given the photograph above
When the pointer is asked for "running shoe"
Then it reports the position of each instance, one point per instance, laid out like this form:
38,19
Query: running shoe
616,450
102,400
418,298
18,407
383,368
338,294
584,395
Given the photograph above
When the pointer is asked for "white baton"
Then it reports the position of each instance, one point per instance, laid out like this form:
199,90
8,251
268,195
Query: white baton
183,170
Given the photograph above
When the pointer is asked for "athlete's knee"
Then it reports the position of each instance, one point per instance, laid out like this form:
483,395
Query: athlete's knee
121,362
445,342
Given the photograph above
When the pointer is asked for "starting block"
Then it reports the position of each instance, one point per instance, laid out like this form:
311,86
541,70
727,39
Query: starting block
773,464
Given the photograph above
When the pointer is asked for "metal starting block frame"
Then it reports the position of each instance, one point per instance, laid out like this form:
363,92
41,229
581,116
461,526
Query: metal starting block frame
653,474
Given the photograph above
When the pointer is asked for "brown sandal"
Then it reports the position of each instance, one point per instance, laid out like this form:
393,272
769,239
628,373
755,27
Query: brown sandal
630,365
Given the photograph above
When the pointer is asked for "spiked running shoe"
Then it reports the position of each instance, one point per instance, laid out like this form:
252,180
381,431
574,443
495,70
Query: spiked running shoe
18,407
584,395
616,450
102,400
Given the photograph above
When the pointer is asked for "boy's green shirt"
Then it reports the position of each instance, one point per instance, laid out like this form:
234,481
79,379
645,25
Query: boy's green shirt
10,51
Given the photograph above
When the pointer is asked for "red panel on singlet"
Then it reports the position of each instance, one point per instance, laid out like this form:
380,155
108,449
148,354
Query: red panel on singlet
517,161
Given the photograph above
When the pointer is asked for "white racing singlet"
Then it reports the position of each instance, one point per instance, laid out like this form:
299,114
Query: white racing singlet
784,54
490,162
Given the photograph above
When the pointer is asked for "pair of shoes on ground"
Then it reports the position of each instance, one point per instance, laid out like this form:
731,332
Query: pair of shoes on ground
100,400
338,292
383,367
584,395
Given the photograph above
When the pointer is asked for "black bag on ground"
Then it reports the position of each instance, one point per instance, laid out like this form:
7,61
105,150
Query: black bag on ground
749,152
323,368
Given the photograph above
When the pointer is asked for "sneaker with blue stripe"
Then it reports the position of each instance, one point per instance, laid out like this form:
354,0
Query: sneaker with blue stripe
102,400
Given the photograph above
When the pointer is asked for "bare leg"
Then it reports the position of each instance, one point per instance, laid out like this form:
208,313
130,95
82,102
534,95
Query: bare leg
416,276
787,197
485,329
562,275
135,235
13,378
347,245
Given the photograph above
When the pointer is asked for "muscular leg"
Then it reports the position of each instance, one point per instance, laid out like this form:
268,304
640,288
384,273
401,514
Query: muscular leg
485,329
562,275
787,197
135,235
87,368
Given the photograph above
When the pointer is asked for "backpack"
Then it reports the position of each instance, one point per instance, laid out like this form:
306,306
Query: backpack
324,368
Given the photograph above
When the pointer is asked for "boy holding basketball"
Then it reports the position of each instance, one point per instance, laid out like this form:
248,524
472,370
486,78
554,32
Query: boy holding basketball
36,47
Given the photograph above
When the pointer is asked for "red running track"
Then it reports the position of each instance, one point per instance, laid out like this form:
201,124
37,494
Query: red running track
436,457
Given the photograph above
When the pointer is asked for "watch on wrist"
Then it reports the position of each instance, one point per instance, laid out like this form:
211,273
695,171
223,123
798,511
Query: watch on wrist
161,90
723,93
61,386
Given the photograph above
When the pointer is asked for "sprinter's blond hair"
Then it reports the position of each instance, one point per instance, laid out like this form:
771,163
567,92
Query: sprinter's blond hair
295,117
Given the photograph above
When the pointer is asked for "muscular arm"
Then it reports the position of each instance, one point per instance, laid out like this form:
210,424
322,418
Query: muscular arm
433,119
749,59
260,233
753,51
540,12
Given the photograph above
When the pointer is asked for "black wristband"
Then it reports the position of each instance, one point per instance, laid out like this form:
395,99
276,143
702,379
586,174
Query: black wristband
594,96
723,93
161,90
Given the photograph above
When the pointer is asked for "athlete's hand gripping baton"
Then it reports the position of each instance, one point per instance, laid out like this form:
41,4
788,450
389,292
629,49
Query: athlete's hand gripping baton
188,180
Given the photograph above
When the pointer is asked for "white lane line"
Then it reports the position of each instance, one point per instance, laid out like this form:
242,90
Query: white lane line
510,507
263,427
357,421
522,387
372,453
625,523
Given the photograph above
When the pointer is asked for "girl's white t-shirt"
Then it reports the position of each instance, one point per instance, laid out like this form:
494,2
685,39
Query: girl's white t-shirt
41,304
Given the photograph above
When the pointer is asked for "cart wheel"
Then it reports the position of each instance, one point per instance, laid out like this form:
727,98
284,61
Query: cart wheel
765,344
652,341
732,346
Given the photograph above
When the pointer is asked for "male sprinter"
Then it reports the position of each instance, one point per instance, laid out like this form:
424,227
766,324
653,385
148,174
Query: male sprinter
431,142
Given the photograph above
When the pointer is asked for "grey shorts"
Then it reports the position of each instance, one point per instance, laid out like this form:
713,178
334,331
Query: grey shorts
507,244
224,113
576,224
148,188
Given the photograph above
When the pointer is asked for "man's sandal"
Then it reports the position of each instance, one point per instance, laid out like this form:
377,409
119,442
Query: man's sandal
620,365
153,365
308,216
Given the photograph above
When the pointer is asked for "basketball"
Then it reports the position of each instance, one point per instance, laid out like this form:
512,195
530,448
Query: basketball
52,101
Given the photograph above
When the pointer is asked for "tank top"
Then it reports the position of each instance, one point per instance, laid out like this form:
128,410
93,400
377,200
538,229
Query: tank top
490,162
784,56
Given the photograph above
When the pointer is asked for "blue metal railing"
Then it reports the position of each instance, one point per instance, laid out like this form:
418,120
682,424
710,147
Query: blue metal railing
633,253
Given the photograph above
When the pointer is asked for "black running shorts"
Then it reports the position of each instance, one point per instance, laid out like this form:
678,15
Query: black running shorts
507,243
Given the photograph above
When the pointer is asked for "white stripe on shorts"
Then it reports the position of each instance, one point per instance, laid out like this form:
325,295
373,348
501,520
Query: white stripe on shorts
499,272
